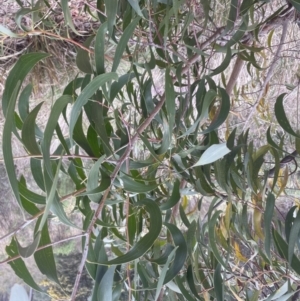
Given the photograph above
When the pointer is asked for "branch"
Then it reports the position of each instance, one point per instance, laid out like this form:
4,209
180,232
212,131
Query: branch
29,221
269,74
43,247
120,162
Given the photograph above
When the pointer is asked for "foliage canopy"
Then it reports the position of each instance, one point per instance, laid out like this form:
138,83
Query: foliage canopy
145,133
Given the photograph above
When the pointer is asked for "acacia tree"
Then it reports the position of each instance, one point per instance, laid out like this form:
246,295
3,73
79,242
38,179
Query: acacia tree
145,135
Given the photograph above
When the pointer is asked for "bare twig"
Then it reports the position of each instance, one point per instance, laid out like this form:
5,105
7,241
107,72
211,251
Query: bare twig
43,247
34,217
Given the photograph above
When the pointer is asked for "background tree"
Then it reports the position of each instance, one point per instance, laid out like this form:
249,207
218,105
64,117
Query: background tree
166,134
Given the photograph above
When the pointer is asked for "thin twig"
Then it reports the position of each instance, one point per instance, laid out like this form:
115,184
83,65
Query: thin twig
43,247
269,74
34,217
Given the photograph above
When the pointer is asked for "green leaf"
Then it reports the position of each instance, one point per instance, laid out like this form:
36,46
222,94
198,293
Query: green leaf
232,14
30,195
23,104
282,246
181,252
281,116
26,252
100,49
56,111
174,198
93,179
224,64
270,204
218,283
18,73
213,153
123,43
138,187
145,243
223,112
111,8
116,87
280,292
105,288
44,258
209,97
170,99
212,238
28,132
7,32
163,273
67,15
135,5
86,93
293,237
19,266
6,144
296,4
50,197
83,57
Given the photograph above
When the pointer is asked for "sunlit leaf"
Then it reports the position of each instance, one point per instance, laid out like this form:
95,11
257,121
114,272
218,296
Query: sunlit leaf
213,153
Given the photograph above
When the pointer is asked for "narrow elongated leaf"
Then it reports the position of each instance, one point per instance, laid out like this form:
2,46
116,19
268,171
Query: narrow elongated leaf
105,292
123,43
218,283
18,73
23,104
161,279
208,99
50,197
26,252
223,113
293,237
19,266
86,93
30,195
174,198
170,100
135,5
28,132
111,8
181,252
56,111
116,87
100,49
141,247
225,63
67,15
6,144
270,204
44,258
7,32
93,179
232,14
135,186
213,153
281,116
83,57
280,292
212,238
282,246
